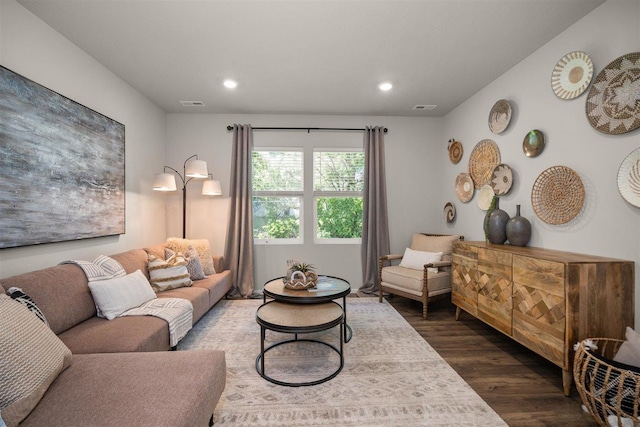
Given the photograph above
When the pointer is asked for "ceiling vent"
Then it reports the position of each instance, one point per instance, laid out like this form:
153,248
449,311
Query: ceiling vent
192,103
424,107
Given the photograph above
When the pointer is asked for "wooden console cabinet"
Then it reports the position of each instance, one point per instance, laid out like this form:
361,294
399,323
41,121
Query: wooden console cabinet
546,300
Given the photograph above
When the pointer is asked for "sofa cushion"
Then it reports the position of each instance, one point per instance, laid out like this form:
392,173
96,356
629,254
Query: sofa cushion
26,342
135,259
198,297
97,335
169,274
218,285
201,245
444,244
171,388
115,296
61,292
412,281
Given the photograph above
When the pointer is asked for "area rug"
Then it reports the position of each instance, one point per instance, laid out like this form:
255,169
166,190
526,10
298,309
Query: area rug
391,375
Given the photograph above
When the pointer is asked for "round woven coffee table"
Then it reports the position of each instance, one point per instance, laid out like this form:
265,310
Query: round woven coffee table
327,289
298,319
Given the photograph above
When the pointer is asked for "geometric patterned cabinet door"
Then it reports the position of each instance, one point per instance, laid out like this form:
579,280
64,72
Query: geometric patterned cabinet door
546,300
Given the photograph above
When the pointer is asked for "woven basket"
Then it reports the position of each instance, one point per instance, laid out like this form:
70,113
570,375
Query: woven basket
610,393
484,158
557,195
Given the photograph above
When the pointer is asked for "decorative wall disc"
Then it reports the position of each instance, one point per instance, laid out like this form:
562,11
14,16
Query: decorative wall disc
483,160
533,143
629,178
500,116
455,151
557,195
613,104
501,179
485,196
571,75
449,212
464,187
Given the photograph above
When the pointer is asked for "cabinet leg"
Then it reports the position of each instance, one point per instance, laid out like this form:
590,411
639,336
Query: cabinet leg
457,313
567,381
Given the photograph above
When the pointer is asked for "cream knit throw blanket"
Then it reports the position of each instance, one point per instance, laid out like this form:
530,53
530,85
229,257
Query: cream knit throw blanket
177,312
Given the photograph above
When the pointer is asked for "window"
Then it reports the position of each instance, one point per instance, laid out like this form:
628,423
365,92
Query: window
334,188
338,181
278,190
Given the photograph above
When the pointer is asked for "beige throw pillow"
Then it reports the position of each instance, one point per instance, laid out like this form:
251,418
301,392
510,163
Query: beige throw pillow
115,296
26,341
416,260
202,247
169,274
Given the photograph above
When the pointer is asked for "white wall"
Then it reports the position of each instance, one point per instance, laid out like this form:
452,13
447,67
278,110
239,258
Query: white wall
411,174
607,225
33,49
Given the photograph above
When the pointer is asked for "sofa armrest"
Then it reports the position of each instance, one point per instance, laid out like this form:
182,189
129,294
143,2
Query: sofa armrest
218,263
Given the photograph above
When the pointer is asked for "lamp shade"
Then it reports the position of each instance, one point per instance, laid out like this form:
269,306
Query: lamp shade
164,182
211,187
196,169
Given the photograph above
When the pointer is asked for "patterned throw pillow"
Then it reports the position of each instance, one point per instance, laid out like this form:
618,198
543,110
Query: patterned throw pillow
26,341
169,274
194,266
27,301
201,245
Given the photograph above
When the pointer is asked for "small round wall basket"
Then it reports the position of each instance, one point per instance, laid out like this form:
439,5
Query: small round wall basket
500,116
629,178
571,75
464,187
455,151
557,195
483,160
449,212
613,103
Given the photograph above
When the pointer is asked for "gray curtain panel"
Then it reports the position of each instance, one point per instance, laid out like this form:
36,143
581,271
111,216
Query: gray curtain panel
375,223
239,245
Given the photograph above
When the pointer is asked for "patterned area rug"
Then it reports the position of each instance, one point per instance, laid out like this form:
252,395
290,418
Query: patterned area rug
391,375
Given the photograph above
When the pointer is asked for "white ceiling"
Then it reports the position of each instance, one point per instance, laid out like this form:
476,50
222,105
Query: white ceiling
310,56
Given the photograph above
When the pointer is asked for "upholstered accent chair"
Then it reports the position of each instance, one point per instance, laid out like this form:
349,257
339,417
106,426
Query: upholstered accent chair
424,270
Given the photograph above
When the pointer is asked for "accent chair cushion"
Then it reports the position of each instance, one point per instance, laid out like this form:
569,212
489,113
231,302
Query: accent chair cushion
202,247
417,259
444,244
26,342
115,296
169,274
412,281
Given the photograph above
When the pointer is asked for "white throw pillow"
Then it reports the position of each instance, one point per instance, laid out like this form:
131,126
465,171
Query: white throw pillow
115,296
417,259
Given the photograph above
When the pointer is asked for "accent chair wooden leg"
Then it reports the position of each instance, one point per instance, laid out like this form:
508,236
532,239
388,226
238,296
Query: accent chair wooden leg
457,313
379,293
424,310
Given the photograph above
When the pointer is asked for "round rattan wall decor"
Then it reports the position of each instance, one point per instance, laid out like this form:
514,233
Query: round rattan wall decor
557,195
500,116
501,179
483,160
455,151
613,103
464,187
629,178
571,75
449,212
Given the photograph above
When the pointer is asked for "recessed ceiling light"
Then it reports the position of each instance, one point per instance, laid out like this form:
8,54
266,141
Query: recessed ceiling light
385,86
230,84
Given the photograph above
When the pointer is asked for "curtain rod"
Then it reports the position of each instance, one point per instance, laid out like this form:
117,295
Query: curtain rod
308,129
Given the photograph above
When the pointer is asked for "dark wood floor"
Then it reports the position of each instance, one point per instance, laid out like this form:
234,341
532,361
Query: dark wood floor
522,387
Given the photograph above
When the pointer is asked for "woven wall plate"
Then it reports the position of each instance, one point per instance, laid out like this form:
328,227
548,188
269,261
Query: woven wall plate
629,178
557,195
485,196
501,179
500,116
483,160
449,212
571,75
613,103
455,151
464,187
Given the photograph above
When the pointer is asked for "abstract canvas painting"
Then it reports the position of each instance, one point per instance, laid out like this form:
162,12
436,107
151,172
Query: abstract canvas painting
61,167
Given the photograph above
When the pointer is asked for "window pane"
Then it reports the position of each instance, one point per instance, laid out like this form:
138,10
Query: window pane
338,171
277,171
339,217
276,217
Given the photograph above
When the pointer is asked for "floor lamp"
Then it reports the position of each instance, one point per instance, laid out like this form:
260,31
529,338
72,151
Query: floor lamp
192,168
